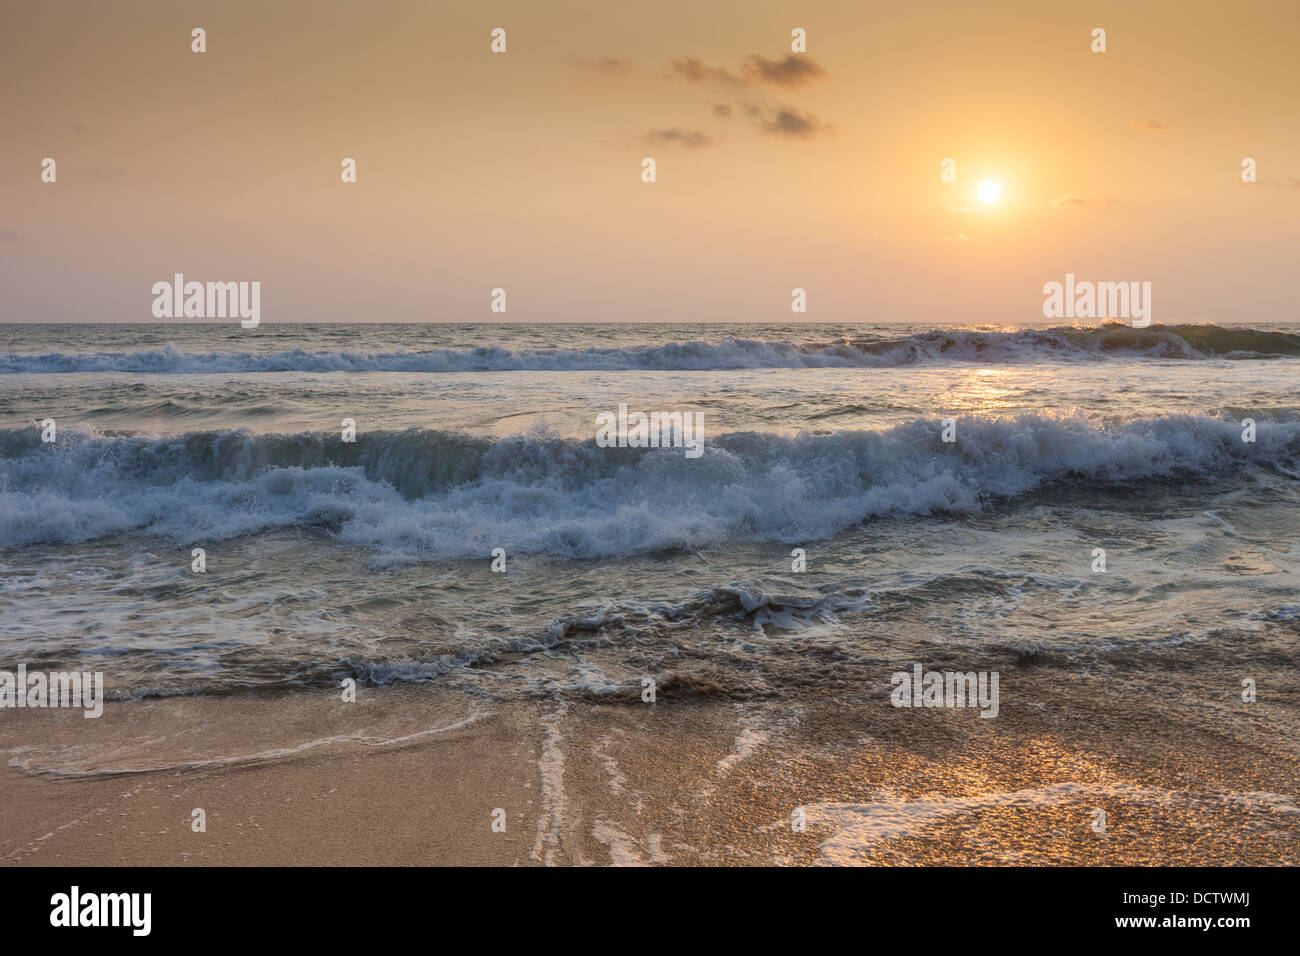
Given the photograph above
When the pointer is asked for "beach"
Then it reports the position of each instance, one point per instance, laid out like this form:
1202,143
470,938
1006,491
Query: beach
408,776
717,435
909,596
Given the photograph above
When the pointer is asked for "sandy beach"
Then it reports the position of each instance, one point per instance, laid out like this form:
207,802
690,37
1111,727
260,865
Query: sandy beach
412,775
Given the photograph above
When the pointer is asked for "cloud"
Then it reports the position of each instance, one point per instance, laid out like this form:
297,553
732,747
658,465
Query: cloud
722,109
694,139
1068,199
696,71
605,64
1148,125
794,70
793,123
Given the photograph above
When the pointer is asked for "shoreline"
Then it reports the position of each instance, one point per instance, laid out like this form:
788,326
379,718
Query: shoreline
412,775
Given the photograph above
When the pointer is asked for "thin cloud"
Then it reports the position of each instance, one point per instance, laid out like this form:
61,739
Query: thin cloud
793,123
691,138
1068,199
613,66
722,109
697,71
1149,125
795,70
6,234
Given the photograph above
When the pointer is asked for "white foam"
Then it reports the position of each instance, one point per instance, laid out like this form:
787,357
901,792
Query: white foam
939,346
419,495
860,828
624,850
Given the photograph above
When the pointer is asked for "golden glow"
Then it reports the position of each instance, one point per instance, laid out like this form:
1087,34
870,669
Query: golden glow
982,391
524,168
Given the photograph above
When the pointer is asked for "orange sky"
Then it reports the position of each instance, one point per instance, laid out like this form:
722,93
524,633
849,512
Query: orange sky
522,170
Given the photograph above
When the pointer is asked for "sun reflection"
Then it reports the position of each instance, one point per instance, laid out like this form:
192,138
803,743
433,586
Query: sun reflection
983,392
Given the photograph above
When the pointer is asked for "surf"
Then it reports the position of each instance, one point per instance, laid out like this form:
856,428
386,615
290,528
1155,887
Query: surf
1060,344
427,494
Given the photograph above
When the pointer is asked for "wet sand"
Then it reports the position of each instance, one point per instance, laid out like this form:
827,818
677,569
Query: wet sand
413,775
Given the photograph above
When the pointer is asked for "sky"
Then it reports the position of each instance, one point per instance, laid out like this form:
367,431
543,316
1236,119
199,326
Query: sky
775,170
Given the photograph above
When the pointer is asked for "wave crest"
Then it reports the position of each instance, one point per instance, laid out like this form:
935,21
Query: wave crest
434,495
1063,344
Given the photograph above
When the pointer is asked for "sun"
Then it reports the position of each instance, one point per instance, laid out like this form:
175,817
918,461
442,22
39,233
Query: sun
989,192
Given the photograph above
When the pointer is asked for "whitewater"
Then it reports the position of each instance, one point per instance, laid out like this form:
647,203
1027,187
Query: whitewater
865,350
371,558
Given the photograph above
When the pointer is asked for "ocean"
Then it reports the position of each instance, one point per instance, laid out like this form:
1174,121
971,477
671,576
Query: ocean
1098,503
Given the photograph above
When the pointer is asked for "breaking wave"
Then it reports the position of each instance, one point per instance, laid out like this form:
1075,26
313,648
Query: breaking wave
426,495
1064,344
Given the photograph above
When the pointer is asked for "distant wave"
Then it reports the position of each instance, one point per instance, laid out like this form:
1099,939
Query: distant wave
1064,344
420,495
